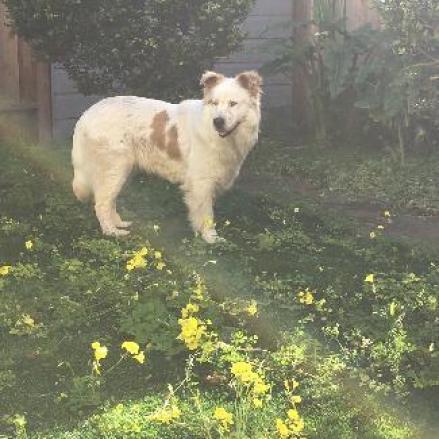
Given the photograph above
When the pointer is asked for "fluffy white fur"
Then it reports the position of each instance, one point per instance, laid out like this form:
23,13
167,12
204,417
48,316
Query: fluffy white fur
179,142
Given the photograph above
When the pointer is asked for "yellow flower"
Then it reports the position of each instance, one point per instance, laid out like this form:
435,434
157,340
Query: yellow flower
158,255
306,297
143,251
252,309
282,428
244,372
131,347
140,357
372,235
224,417
100,352
380,227
138,260
192,330
387,214
29,244
260,388
298,426
369,278
257,403
293,414
160,265
4,270
296,399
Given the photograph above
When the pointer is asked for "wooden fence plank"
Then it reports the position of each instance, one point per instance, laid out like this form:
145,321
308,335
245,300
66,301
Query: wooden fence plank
9,67
44,102
27,73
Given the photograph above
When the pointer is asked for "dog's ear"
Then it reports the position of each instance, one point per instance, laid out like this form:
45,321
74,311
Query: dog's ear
251,81
210,80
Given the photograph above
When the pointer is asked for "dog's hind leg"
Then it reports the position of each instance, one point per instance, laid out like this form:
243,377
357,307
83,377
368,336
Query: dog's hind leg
107,188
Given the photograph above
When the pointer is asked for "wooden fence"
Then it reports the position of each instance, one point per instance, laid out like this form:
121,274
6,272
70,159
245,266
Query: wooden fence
25,94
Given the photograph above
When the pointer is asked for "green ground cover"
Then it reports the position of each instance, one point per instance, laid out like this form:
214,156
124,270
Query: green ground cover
296,294
359,174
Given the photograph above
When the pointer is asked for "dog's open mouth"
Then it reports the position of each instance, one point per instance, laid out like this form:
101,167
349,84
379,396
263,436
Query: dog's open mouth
225,133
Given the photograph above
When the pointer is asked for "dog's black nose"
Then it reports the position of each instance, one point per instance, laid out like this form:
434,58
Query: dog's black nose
219,123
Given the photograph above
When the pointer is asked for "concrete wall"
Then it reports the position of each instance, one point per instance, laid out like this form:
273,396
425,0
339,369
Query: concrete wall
263,27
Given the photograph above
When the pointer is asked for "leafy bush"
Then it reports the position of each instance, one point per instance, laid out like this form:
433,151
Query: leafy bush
390,74
147,47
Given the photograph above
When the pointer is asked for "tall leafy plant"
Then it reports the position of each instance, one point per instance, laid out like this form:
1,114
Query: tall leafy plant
389,75
398,84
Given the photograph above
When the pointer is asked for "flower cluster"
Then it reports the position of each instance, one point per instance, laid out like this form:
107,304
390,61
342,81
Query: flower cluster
245,375
224,418
306,297
133,348
166,415
192,330
138,260
294,424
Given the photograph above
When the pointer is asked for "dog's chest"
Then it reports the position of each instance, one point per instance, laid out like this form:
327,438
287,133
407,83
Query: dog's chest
228,163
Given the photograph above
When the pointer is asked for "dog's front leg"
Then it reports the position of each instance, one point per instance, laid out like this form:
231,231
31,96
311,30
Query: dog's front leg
199,199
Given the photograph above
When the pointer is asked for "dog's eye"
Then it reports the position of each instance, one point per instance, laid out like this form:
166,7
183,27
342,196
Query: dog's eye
211,102
233,103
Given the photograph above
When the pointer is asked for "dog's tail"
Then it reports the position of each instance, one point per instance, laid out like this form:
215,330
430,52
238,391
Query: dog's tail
81,187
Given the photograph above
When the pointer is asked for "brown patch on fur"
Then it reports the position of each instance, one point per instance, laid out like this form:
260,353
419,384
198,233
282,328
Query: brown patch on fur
251,81
158,126
172,147
165,141
210,79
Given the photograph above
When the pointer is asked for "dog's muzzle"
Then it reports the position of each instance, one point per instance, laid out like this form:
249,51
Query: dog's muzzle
220,125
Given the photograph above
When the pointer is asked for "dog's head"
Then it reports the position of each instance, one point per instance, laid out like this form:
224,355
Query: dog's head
231,101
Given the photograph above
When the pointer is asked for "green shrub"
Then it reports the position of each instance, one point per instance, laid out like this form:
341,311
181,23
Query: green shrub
147,47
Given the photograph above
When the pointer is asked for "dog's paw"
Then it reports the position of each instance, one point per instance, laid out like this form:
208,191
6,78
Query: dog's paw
124,224
211,236
116,232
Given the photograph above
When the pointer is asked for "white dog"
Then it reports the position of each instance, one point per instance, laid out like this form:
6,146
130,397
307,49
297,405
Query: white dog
199,144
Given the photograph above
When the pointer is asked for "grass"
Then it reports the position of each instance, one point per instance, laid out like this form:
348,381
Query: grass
356,347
